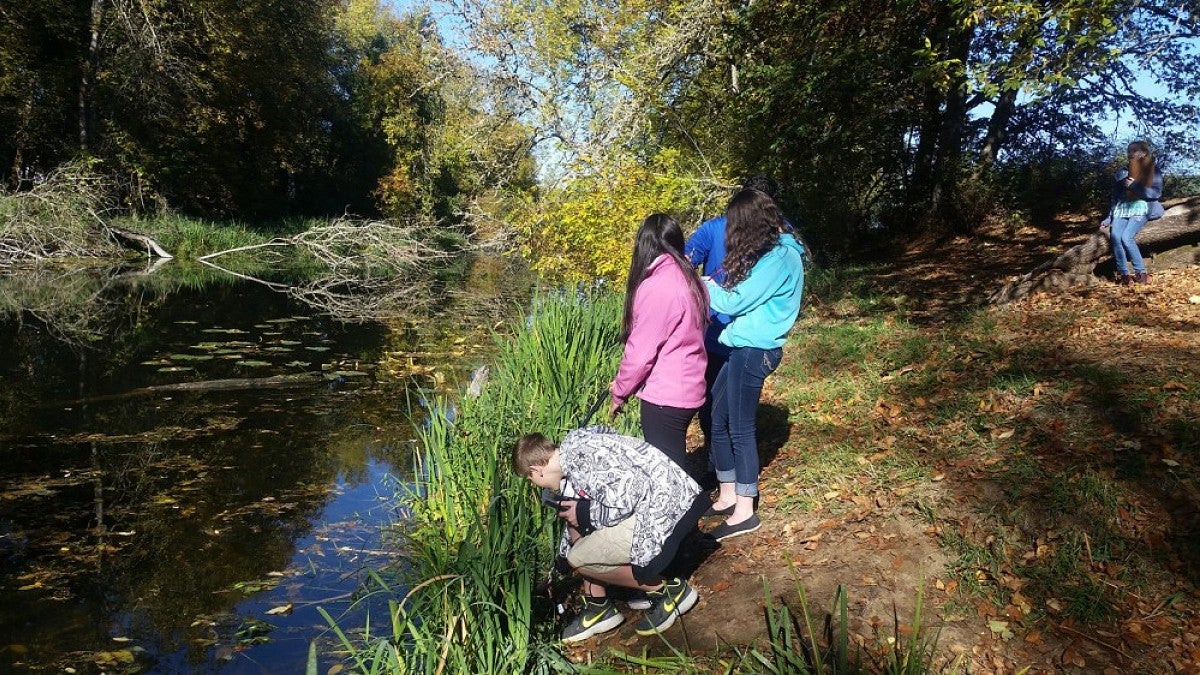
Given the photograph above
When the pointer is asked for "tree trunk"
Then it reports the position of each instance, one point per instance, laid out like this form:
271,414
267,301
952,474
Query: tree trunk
90,68
1179,226
997,128
943,199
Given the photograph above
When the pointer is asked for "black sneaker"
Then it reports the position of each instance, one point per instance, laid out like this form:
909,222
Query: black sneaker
597,616
674,599
726,531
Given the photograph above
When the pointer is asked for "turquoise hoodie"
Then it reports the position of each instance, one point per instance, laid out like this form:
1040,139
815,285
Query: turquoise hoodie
764,306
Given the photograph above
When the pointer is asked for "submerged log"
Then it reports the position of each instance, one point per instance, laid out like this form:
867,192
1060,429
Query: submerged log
126,238
1179,226
240,383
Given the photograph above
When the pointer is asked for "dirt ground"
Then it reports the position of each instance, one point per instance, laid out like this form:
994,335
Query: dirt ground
879,548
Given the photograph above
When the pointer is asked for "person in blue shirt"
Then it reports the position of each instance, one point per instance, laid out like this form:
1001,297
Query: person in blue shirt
761,293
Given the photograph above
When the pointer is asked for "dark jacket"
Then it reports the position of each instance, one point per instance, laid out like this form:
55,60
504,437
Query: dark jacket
1151,193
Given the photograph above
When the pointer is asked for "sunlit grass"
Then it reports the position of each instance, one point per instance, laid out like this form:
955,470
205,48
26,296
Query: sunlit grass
188,238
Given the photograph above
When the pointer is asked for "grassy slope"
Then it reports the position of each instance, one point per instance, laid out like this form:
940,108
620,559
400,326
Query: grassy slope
1052,447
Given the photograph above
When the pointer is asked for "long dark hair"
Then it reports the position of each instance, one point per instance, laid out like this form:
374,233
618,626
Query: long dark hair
1140,168
658,235
752,226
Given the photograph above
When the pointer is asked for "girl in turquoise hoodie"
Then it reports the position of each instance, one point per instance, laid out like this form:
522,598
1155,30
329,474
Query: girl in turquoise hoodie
764,280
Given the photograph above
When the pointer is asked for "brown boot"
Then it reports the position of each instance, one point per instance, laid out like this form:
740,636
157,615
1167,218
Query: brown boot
1141,277
1124,279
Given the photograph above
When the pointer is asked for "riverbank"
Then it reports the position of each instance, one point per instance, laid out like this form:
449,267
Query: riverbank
992,489
1034,468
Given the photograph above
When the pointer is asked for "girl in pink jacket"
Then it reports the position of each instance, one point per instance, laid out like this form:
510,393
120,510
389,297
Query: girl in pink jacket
666,310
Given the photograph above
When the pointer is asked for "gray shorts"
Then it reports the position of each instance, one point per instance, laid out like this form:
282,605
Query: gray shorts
604,550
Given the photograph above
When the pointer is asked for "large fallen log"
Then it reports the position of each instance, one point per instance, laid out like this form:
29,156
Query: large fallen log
1179,226
233,384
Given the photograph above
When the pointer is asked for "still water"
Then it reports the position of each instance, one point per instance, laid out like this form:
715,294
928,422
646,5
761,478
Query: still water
189,471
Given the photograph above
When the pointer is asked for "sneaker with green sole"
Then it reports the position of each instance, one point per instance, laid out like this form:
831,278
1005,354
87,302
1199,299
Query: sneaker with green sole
673,600
598,615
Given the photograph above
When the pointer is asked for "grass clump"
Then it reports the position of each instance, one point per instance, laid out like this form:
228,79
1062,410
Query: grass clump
189,238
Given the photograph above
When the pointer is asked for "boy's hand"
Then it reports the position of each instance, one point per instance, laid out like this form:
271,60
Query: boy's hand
566,511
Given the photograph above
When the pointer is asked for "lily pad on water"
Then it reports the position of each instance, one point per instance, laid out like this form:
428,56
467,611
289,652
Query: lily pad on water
277,349
176,369
225,331
250,363
296,364
255,585
156,362
192,357
317,349
289,343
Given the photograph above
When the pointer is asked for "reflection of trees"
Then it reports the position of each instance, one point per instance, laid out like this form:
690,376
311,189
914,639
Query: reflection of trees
155,532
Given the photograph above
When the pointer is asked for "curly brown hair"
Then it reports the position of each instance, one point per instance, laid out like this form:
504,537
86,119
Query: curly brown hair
752,226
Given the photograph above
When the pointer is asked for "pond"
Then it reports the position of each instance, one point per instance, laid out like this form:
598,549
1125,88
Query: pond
191,470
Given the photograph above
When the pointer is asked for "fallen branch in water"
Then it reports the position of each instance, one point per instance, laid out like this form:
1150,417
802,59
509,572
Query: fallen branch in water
374,267
362,246
151,247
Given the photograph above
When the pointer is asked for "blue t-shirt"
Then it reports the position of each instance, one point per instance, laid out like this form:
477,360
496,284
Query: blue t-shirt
706,249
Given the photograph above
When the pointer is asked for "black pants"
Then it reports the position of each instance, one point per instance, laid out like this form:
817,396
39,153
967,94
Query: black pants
665,428
715,361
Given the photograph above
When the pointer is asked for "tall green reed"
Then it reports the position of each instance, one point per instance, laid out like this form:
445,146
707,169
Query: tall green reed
479,539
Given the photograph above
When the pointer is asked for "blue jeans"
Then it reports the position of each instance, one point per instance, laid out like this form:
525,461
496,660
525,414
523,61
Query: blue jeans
735,395
1121,236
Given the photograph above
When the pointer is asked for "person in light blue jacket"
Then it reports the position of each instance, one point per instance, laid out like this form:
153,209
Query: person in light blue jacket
762,292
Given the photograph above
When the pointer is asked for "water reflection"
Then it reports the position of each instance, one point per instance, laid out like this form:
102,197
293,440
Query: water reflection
149,522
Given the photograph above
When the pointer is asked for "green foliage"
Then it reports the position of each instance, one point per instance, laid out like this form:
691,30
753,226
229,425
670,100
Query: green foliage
586,229
251,110
791,652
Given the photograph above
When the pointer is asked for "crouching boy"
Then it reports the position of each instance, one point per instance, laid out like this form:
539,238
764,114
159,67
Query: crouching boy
634,507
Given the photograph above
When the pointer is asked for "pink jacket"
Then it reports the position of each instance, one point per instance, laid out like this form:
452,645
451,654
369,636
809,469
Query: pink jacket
664,357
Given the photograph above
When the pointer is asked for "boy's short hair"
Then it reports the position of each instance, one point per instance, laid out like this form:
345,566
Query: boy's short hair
531,450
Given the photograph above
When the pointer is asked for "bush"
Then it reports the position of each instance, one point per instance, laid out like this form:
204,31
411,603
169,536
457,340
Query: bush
585,229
